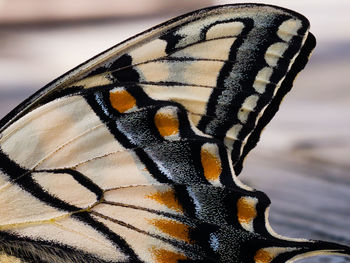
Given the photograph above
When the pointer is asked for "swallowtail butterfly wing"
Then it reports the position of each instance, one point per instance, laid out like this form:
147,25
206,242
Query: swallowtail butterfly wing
133,156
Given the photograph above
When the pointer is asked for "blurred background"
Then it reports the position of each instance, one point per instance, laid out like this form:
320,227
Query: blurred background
303,159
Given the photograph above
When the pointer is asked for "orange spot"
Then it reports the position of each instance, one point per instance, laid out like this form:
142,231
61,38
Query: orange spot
121,100
246,210
262,256
172,228
167,198
166,124
211,165
166,256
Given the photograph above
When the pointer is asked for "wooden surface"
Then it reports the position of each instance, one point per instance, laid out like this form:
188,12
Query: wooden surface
303,159
14,12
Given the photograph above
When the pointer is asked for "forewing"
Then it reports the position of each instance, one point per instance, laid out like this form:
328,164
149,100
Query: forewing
229,66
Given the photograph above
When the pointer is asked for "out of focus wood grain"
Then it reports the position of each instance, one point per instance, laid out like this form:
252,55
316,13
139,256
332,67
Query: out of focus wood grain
48,11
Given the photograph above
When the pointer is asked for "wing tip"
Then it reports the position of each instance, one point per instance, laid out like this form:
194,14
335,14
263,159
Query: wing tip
287,84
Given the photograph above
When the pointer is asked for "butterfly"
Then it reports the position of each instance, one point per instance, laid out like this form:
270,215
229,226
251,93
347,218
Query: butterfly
133,156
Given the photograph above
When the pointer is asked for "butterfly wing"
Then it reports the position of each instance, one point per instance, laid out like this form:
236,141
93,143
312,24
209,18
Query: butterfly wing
130,157
229,67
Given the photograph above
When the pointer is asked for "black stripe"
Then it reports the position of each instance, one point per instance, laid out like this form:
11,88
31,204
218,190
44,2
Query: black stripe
224,73
273,107
112,236
120,137
80,178
23,178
